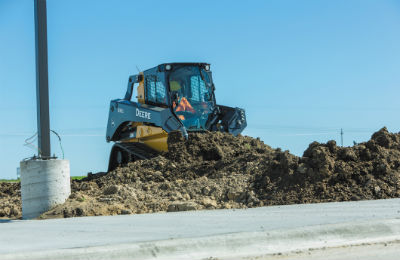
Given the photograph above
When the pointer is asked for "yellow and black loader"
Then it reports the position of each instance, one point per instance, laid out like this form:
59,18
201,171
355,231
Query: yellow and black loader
170,97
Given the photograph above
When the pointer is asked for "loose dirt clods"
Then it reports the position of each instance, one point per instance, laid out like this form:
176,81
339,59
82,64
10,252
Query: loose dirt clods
217,170
10,200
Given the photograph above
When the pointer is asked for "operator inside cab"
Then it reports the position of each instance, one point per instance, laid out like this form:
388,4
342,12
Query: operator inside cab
180,103
191,96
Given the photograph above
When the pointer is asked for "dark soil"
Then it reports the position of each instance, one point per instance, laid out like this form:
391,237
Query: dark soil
10,200
218,170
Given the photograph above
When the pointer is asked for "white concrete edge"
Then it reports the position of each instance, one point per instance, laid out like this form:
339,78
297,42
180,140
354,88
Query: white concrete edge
244,244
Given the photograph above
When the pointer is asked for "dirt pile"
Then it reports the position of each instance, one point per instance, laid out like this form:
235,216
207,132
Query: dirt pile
217,170
10,200
326,172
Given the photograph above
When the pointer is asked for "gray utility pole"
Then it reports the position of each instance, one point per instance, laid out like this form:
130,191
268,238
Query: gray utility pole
42,84
45,180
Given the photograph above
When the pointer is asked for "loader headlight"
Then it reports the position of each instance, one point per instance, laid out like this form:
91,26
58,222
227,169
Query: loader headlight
168,67
207,67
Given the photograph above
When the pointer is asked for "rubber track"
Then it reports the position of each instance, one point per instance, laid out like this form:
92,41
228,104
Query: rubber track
137,150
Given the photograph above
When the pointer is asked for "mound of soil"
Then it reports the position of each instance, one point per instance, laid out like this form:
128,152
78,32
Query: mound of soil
217,170
10,200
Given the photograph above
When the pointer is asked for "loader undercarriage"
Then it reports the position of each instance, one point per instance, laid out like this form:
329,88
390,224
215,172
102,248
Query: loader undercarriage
123,153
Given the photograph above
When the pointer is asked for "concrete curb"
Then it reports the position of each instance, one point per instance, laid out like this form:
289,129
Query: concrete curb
244,244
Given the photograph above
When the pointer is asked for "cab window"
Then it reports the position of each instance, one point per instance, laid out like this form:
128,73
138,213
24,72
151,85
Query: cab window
198,88
155,90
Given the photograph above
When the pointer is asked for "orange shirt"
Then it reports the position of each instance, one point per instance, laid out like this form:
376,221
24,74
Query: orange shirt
184,105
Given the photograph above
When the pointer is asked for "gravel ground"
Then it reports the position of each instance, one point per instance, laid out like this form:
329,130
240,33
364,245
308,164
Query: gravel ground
217,170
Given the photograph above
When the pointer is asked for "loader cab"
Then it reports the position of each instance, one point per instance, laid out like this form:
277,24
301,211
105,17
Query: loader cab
186,88
191,93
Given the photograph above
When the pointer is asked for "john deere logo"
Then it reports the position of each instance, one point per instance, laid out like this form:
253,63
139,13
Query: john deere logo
143,114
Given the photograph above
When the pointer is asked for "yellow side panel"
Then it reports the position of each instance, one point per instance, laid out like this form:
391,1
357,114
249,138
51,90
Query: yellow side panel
148,131
154,137
159,144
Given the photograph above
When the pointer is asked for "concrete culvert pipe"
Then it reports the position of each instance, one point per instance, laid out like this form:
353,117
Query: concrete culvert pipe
44,184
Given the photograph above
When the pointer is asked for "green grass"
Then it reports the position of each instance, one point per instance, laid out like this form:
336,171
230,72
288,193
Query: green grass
5,180
18,180
78,177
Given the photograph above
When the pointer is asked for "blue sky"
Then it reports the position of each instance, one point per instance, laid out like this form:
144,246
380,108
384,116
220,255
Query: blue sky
301,69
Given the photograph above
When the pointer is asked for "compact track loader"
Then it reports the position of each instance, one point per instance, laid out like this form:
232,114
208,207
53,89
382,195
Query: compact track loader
170,97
